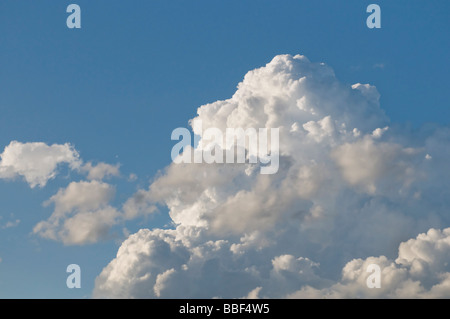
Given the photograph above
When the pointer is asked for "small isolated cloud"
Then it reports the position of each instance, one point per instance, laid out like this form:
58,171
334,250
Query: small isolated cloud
36,162
379,66
132,177
81,215
100,170
11,224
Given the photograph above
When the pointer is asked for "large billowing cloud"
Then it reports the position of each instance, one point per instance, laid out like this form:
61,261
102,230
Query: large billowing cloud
352,189
421,270
158,264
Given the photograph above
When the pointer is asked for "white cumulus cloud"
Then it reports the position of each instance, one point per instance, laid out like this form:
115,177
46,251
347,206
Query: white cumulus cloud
100,170
81,215
347,189
421,270
36,162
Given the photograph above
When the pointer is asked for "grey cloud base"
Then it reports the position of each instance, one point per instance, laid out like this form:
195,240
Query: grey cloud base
352,189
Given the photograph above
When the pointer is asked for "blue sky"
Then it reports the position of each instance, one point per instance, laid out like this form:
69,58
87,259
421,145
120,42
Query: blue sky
117,87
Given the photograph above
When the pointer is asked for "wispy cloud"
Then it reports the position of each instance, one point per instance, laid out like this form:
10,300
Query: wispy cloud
379,66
